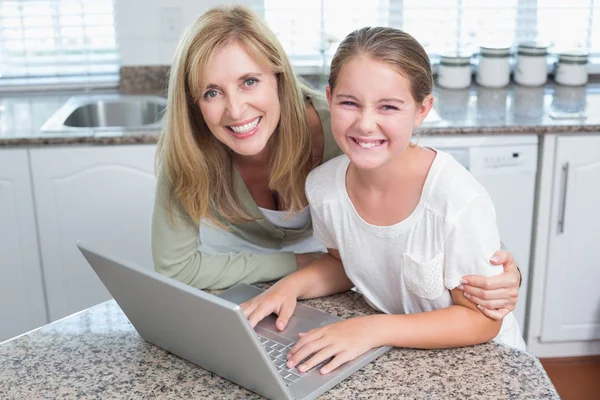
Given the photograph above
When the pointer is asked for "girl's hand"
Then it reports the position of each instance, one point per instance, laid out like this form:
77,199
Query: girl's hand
279,299
497,295
344,341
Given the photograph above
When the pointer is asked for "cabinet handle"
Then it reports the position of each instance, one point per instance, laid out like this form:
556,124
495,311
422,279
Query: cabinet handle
563,202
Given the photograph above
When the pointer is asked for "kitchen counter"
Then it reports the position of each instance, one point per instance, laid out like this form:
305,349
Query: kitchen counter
476,110
98,354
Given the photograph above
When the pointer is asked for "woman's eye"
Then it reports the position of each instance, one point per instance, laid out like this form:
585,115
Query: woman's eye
210,94
250,81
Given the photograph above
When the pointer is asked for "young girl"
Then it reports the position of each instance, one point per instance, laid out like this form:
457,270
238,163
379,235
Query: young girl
402,223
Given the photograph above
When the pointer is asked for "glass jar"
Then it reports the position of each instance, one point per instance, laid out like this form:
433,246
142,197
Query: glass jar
494,66
531,68
571,68
454,71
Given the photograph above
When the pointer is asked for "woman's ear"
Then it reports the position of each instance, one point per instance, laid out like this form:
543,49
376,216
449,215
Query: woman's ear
423,110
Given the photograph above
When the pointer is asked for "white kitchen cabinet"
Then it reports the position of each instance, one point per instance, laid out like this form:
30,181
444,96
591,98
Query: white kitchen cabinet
102,195
566,291
22,303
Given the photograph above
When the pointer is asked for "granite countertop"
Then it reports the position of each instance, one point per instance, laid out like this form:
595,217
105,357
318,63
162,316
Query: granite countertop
97,354
477,110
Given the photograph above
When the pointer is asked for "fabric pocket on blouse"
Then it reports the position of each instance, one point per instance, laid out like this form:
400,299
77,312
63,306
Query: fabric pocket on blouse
425,278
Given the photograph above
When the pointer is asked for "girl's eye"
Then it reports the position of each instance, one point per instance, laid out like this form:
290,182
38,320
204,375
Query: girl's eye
250,82
388,108
210,94
348,103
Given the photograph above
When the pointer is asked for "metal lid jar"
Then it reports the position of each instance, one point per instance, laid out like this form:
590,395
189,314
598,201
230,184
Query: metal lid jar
531,68
494,66
571,68
454,71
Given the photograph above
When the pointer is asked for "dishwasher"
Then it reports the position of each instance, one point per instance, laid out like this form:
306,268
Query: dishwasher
506,166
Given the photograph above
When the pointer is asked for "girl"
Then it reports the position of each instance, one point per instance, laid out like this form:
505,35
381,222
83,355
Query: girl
402,223
242,133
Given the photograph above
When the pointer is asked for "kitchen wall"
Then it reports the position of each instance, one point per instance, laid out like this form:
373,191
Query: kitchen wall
148,30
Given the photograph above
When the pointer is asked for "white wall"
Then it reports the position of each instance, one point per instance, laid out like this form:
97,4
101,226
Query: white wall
148,30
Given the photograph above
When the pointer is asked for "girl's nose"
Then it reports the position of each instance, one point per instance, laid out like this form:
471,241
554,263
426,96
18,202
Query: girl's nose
367,122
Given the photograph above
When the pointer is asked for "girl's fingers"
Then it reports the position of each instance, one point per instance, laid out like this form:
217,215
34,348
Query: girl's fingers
305,337
338,360
305,351
324,354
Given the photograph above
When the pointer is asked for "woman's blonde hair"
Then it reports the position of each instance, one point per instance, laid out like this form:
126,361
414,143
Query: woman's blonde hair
391,46
199,168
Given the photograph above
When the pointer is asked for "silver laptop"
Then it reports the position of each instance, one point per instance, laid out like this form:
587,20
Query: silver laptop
213,332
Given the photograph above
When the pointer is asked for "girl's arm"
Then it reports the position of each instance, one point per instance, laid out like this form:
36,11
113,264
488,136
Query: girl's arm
175,252
461,324
322,277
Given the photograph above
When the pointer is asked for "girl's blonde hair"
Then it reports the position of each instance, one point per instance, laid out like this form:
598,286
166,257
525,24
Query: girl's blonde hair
199,168
391,46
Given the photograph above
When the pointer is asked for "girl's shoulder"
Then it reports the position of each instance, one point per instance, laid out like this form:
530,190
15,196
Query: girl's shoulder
326,177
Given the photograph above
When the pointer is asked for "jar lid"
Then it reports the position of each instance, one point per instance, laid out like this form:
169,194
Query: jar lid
503,51
457,59
533,46
532,49
572,57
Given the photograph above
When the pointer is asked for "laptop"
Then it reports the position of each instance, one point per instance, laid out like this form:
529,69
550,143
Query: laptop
213,332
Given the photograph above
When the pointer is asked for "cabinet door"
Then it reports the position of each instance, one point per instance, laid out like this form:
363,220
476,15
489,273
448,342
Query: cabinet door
101,195
572,295
22,304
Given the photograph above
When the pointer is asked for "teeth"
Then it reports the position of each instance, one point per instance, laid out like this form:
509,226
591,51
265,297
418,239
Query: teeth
369,144
246,127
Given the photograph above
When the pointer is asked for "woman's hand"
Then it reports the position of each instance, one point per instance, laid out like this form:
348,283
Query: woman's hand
495,296
279,299
344,341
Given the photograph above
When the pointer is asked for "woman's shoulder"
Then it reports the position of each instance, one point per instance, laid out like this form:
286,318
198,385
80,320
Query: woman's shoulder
323,124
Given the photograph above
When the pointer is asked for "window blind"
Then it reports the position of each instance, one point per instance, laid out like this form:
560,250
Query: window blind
57,38
311,29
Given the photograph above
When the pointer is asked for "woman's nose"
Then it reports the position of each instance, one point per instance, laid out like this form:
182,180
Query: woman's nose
235,106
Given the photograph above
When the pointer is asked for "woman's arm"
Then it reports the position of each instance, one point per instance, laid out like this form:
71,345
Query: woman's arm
175,252
498,295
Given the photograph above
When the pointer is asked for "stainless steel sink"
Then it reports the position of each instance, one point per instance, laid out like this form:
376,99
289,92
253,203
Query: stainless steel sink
105,113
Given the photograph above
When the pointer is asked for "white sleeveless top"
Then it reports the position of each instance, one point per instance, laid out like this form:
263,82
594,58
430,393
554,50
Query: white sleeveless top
216,240
278,218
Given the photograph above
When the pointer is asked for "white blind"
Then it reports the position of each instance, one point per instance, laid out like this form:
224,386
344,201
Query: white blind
57,38
304,27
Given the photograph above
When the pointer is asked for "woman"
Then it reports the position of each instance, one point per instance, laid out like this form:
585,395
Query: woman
242,133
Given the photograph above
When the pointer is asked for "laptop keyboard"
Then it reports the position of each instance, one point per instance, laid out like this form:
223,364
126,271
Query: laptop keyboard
278,354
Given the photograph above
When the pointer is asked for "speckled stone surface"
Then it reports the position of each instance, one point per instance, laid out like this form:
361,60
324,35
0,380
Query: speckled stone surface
144,79
97,354
477,110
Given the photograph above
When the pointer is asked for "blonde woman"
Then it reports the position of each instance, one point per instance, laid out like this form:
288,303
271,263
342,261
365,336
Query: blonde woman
242,133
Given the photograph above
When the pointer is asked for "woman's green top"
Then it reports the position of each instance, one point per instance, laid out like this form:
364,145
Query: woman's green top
175,240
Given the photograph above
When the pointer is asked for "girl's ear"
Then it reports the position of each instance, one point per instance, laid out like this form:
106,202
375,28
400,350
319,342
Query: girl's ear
423,110
328,94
